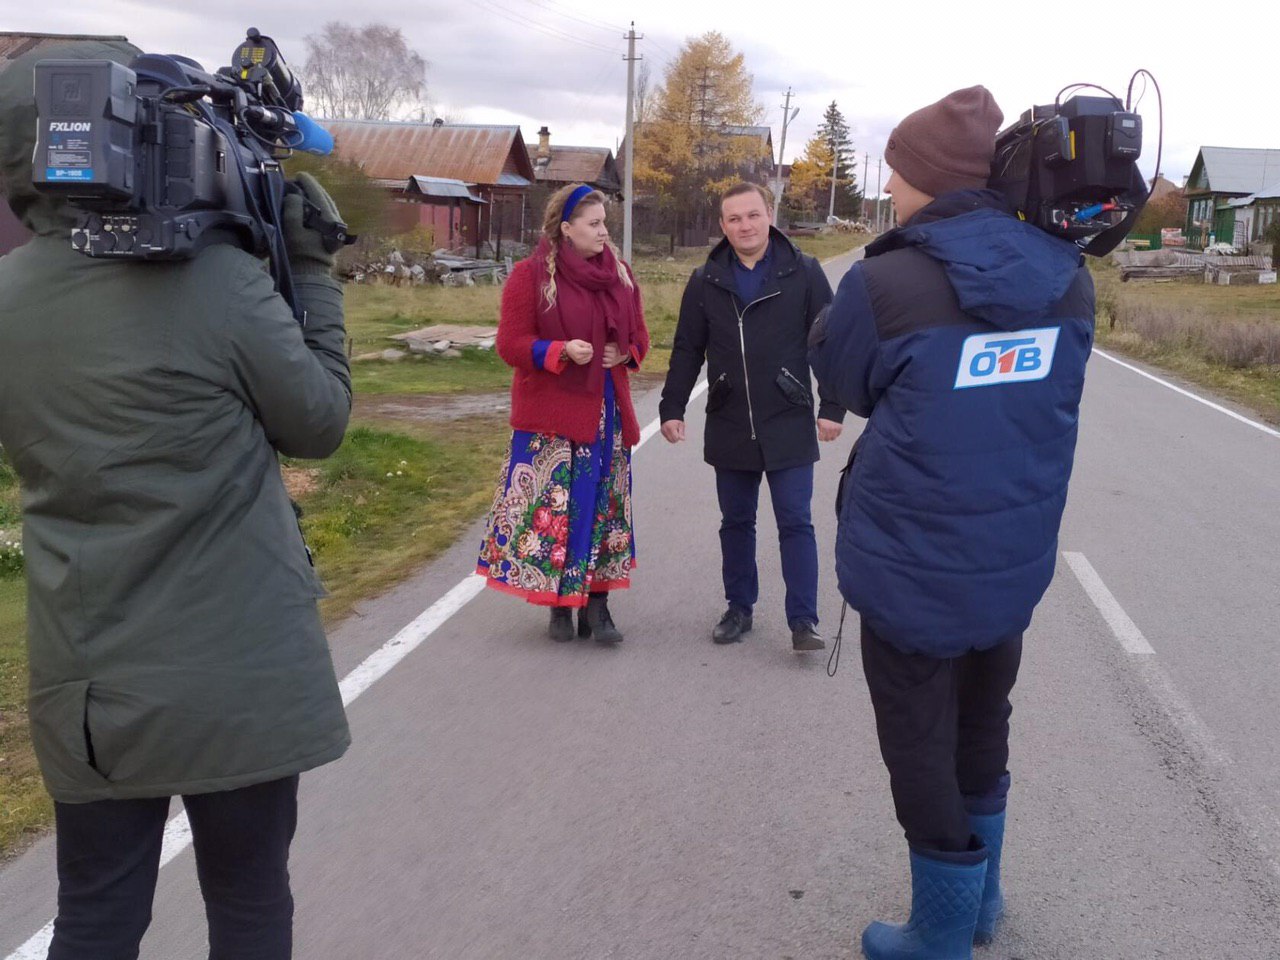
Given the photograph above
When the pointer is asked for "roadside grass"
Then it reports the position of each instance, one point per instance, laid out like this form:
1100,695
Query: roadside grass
827,245
25,808
476,371
393,497
1225,338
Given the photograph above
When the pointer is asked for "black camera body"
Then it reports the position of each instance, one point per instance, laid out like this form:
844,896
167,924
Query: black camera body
162,158
1072,170
155,179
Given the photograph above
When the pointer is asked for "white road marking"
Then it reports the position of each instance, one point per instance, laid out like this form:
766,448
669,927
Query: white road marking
647,433
1199,748
1125,630
177,833
1270,431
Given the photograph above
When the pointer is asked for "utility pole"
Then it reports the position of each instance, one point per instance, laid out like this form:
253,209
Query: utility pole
631,59
835,170
866,162
879,161
787,117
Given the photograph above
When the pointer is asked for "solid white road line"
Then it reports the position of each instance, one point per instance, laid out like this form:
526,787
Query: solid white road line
1270,431
177,833
1125,630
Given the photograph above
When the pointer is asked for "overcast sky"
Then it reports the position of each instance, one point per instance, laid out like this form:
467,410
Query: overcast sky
559,62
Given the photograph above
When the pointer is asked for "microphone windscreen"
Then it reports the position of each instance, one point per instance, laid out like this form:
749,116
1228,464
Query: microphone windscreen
315,138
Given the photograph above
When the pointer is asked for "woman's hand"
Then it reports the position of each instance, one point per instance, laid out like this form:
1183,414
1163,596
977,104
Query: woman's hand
580,352
613,356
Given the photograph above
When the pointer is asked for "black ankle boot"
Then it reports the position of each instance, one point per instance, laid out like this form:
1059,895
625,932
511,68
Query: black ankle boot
561,627
599,621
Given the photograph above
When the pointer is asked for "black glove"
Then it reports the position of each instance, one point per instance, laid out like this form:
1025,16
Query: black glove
313,227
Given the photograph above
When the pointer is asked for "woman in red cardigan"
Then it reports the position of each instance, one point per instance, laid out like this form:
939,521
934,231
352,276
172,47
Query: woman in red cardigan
560,534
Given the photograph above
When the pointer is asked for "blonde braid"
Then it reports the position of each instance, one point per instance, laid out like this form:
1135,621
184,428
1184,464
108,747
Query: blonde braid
623,272
549,289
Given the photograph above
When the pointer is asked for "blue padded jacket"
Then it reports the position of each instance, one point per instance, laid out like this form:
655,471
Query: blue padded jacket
963,337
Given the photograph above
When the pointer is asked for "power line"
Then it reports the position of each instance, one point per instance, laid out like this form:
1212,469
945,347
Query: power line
545,29
550,7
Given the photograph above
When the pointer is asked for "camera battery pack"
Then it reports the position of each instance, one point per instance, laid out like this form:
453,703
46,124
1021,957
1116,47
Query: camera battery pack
84,138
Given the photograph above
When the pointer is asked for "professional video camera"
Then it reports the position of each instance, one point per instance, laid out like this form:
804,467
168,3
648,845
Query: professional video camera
162,158
1072,168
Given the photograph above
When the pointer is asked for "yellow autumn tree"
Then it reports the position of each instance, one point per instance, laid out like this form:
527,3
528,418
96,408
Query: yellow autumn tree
691,145
811,178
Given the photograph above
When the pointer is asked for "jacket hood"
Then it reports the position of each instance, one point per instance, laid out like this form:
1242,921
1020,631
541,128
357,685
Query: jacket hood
43,215
1004,271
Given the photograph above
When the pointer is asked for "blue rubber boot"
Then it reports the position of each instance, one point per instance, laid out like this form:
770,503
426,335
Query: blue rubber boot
990,829
945,897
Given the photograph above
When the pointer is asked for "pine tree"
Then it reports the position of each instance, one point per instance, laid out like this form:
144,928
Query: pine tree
835,130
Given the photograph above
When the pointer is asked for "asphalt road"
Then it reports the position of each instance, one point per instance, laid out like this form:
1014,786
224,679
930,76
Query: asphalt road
507,797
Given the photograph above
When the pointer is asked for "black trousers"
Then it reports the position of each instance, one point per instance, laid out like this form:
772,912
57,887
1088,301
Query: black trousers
109,857
943,726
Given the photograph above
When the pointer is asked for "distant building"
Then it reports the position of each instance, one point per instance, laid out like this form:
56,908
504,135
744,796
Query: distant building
1161,188
557,166
13,45
449,207
1253,215
492,162
1219,176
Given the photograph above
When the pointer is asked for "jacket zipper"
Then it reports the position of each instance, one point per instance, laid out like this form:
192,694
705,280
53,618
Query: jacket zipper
742,340
791,376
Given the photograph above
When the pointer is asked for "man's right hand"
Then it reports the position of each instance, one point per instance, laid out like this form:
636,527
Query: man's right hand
673,430
579,351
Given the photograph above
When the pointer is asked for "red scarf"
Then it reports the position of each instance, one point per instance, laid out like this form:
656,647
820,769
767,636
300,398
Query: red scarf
592,304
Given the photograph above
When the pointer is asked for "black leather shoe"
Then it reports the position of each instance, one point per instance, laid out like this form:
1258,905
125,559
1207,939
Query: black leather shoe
584,625
601,624
561,628
732,626
805,637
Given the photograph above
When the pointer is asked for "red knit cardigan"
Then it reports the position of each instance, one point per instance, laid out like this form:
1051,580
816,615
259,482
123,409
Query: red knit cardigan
539,401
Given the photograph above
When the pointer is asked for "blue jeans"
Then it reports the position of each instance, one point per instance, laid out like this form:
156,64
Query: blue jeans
791,491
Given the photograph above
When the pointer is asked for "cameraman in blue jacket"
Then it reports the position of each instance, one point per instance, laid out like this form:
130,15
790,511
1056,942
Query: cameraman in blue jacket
963,338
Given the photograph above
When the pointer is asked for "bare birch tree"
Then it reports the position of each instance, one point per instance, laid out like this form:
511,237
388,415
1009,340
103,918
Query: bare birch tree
362,73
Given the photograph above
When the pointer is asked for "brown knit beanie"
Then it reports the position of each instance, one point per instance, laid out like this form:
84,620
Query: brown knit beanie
947,145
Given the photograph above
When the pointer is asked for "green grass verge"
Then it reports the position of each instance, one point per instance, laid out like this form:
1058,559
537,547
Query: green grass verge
25,808
1186,327
476,371
393,497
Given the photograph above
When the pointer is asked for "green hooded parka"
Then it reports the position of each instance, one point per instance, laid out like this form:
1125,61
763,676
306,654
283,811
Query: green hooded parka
175,643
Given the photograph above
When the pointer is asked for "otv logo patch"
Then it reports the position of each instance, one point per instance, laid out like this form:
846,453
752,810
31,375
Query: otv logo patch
988,360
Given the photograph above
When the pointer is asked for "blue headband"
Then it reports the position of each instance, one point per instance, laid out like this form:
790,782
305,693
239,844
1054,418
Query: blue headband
575,198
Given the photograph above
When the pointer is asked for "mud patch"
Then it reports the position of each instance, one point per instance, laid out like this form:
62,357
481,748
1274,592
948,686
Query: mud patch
432,408
300,481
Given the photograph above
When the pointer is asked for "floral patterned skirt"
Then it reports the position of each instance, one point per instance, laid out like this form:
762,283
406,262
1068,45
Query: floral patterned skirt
560,527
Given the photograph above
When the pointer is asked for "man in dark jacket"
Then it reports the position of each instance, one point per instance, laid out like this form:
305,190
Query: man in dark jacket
747,313
963,337
175,644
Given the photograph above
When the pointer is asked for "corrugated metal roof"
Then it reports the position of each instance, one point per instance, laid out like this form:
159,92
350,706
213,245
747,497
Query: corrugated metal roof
764,133
1239,169
14,45
388,150
444,187
513,180
579,165
1269,192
